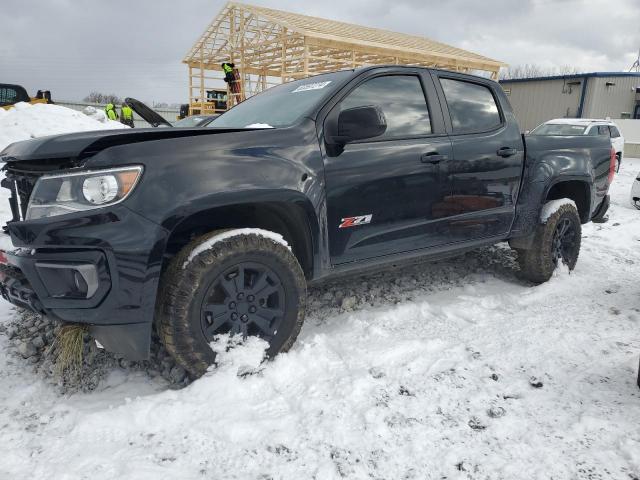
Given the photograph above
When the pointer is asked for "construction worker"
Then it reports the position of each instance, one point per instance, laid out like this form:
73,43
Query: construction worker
126,115
110,111
227,68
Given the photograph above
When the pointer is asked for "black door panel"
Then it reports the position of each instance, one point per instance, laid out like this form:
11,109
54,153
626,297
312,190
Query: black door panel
488,156
485,185
386,195
404,196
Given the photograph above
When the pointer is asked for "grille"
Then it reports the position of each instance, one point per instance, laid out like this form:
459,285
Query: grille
21,188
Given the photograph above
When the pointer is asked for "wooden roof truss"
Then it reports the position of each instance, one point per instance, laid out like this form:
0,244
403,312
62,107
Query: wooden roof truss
271,46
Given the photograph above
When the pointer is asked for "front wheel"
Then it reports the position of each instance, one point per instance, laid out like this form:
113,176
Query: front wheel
236,282
555,242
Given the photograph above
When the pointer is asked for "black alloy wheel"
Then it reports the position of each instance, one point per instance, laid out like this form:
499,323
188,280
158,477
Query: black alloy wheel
563,247
247,299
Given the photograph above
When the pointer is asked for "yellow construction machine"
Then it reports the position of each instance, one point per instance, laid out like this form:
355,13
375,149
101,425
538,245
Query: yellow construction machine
11,94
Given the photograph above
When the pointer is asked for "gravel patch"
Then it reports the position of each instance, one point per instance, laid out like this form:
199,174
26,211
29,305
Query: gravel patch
32,340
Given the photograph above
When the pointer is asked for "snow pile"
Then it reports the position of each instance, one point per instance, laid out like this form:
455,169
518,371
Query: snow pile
96,114
25,121
259,125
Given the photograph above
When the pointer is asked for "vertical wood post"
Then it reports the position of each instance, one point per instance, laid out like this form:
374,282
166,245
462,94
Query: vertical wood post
232,47
201,81
305,59
242,57
190,87
284,53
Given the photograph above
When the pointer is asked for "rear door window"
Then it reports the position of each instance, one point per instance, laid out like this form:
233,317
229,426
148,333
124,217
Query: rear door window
472,106
615,133
603,130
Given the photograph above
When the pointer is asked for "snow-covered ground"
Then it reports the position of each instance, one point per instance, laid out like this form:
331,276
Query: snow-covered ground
450,370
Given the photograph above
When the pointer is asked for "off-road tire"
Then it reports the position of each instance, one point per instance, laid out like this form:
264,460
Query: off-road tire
536,263
184,283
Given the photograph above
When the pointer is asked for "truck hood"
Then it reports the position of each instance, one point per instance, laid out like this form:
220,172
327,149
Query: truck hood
150,116
79,146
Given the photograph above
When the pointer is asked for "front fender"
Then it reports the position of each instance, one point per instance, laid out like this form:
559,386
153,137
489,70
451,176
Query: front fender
186,176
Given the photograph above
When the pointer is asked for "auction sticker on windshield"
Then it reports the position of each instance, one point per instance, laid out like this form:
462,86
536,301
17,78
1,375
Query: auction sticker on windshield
311,86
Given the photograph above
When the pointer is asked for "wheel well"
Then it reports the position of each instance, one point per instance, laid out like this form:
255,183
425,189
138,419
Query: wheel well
289,220
578,192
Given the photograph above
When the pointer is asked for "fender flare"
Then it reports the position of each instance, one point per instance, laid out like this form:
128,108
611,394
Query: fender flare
283,197
528,211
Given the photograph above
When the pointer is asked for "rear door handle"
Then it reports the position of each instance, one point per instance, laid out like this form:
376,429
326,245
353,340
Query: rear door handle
432,157
507,152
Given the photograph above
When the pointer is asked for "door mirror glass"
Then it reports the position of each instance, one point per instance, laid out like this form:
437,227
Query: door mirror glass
360,123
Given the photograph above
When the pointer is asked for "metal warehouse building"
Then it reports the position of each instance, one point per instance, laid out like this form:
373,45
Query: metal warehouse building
585,95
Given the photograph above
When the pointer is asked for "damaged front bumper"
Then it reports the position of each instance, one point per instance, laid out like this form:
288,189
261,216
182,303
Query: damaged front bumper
100,269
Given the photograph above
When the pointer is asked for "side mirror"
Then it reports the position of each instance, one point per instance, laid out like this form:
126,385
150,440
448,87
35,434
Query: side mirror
359,123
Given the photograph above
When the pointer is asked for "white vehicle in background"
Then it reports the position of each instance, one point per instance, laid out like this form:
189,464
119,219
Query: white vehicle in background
584,126
635,201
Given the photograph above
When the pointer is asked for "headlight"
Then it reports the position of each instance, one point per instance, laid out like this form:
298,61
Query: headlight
76,192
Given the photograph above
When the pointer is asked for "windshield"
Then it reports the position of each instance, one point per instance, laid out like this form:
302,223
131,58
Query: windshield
194,121
283,105
558,129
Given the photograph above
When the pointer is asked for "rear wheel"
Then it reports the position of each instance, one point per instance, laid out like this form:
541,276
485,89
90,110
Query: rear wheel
618,161
240,283
555,242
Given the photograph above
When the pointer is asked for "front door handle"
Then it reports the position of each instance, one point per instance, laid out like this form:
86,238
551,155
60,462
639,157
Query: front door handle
432,157
507,152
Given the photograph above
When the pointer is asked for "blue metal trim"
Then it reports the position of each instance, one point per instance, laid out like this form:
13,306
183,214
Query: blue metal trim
583,94
578,75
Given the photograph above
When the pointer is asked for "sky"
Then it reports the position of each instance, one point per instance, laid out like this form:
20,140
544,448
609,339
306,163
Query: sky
135,47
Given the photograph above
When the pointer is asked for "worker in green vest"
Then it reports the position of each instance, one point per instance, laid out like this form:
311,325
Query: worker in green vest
227,68
110,111
231,76
126,115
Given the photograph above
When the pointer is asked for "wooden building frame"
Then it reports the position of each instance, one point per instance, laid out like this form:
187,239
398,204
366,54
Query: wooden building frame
271,46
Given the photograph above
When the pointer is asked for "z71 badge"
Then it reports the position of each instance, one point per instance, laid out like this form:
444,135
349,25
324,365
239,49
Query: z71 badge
355,221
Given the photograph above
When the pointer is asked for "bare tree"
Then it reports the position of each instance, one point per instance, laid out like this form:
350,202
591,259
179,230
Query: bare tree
98,97
534,71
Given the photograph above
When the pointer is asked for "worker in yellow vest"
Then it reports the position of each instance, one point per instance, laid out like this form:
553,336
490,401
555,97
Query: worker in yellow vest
231,76
227,69
126,115
110,111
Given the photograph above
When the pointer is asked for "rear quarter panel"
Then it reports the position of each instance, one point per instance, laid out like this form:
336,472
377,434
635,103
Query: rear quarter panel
553,159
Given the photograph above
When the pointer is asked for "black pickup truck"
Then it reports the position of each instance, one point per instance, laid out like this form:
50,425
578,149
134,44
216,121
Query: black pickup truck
207,231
